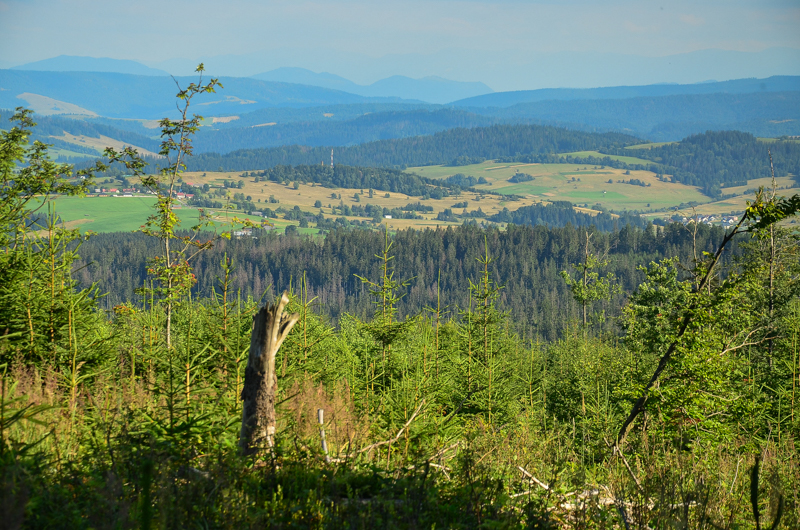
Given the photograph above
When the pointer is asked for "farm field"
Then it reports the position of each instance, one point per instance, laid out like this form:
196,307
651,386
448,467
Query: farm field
766,182
118,214
551,182
307,194
597,154
580,184
649,145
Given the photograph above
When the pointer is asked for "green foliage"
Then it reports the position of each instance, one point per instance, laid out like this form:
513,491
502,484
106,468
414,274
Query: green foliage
45,321
590,287
444,418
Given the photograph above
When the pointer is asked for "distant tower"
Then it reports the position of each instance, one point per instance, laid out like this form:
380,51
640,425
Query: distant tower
331,158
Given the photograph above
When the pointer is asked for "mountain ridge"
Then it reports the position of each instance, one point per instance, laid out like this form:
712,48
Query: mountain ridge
735,86
431,89
78,63
117,95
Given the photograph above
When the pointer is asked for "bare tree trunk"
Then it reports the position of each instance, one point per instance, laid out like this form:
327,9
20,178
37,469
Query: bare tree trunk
270,328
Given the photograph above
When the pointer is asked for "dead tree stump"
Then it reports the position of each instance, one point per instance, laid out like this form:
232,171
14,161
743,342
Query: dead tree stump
270,328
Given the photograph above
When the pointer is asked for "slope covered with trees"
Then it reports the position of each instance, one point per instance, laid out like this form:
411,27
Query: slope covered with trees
445,147
527,260
716,159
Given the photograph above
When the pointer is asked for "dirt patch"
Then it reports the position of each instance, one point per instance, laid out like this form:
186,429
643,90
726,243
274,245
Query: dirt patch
101,143
224,119
48,106
229,99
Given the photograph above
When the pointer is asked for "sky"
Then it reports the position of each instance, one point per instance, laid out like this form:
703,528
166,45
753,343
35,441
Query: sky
507,44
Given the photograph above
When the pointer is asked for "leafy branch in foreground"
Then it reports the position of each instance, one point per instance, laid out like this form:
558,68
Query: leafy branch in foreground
761,213
172,270
590,287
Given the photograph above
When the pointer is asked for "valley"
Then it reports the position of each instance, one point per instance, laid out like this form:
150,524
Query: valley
403,266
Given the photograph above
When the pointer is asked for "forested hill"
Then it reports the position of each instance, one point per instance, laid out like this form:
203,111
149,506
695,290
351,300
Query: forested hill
716,159
456,146
350,177
49,128
366,128
527,261
562,213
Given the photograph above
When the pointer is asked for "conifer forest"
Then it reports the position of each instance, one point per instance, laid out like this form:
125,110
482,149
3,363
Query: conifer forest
564,375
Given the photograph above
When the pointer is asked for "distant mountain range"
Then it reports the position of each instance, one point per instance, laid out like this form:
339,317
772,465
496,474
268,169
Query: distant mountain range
118,95
73,63
430,89
256,113
738,86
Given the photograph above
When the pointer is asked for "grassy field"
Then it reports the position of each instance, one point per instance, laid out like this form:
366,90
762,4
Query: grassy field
584,186
122,214
306,196
576,183
649,145
625,159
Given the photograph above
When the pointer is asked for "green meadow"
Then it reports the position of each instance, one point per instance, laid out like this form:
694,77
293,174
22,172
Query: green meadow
577,183
126,214
597,154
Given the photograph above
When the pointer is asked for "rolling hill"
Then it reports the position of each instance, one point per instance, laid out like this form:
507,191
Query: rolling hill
147,97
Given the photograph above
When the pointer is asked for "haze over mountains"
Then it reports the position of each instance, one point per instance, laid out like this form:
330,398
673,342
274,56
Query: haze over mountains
73,63
432,89
512,69
296,106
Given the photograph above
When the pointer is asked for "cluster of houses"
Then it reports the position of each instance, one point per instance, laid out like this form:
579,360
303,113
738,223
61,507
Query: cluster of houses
128,192
724,220
114,192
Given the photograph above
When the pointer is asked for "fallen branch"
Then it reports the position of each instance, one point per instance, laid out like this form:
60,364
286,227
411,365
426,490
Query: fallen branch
534,479
618,451
443,451
397,436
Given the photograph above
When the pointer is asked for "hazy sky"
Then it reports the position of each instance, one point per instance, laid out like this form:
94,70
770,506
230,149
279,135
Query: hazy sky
366,40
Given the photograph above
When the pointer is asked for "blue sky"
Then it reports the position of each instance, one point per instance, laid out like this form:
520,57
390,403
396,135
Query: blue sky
505,43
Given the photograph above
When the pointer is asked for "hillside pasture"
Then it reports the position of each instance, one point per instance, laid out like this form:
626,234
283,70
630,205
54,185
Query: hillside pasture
597,154
307,194
577,183
649,145
122,214
766,183
99,144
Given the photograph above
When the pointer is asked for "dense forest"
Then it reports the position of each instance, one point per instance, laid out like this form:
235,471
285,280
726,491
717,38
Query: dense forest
365,178
471,377
482,143
436,263
563,213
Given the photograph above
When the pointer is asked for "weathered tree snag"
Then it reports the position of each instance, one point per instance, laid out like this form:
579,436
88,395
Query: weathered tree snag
270,328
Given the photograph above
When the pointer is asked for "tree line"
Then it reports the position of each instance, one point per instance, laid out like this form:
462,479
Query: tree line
482,143
528,261
715,160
